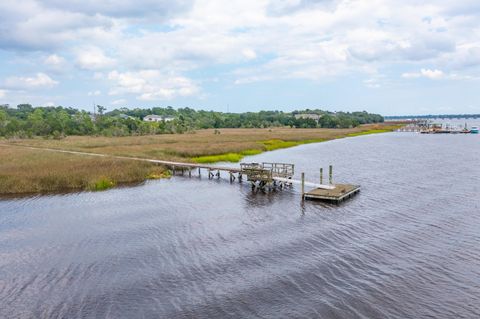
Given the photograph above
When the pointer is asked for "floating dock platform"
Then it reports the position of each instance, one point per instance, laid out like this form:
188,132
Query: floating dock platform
338,194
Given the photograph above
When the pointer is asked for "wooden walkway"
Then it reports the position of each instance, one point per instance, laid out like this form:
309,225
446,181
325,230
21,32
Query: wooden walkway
169,164
276,177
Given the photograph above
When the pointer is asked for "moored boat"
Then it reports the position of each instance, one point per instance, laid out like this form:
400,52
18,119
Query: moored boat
474,130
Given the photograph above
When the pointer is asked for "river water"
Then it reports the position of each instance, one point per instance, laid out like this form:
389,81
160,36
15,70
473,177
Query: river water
408,246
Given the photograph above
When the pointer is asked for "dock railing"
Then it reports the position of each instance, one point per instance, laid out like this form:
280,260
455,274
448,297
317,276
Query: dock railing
280,169
256,172
266,171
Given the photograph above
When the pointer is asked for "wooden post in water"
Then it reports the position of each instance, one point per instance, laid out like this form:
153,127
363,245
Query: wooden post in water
321,176
189,172
303,184
173,170
330,174
199,172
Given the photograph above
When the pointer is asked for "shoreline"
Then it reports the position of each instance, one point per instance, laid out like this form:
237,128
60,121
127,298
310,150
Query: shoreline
31,170
274,145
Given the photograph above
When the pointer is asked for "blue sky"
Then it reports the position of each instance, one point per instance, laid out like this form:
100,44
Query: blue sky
387,56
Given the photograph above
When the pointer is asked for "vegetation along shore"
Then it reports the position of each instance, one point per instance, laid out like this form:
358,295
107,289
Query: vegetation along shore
183,135
24,170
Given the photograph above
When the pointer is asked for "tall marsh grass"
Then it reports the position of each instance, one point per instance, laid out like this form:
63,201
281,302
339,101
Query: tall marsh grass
35,171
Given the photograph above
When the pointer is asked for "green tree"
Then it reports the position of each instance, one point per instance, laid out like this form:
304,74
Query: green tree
101,109
3,122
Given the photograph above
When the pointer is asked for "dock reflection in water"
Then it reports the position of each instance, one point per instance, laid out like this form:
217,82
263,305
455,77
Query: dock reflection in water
407,246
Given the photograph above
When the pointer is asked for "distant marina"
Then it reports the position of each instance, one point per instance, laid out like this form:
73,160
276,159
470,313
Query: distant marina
440,126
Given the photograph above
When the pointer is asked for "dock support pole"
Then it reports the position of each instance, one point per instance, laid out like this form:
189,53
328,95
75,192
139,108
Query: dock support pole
199,172
321,176
173,170
330,174
303,184
189,172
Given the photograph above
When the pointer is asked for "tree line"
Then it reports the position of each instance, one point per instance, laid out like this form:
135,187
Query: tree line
26,121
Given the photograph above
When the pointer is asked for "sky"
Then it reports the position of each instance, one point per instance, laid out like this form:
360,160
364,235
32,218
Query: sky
393,57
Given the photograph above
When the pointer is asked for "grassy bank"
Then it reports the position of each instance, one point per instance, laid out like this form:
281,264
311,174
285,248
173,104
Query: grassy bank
36,171
32,171
275,144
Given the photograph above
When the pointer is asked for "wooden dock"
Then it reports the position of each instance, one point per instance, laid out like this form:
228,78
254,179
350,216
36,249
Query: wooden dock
265,176
339,193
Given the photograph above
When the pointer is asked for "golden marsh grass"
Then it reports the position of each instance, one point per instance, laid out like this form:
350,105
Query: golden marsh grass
30,171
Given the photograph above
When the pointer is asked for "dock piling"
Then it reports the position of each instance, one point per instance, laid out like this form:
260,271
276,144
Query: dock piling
321,176
303,184
330,173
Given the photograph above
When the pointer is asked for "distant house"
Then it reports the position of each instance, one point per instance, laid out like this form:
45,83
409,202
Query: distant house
125,116
305,116
157,118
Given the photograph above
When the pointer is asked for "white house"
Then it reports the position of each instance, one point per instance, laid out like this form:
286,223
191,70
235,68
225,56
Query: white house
157,118
305,116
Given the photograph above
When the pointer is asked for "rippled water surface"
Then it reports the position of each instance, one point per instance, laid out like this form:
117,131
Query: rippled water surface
408,246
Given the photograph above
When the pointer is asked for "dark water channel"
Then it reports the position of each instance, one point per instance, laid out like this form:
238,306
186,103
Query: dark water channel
408,246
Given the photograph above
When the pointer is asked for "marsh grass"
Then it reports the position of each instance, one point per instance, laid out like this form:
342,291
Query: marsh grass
102,184
229,157
37,171
376,131
276,144
186,147
34,171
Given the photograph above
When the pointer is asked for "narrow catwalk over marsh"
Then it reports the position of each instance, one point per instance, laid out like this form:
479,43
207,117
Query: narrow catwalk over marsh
408,246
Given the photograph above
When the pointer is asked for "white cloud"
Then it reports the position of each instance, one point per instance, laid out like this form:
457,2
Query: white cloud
49,104
94,93
3,93
54,60
151,85
56,64
249,54
426,73
40,80
30,26
93,58
122,8
155,45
